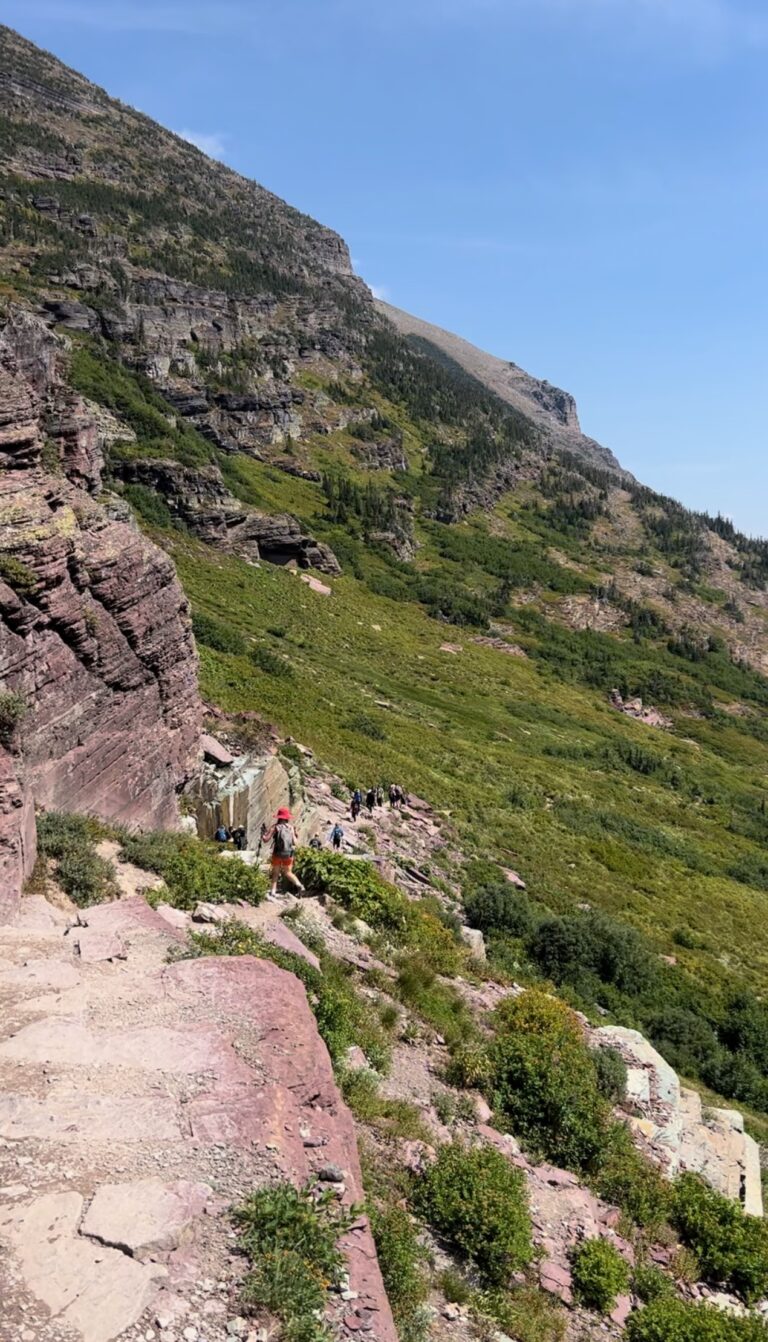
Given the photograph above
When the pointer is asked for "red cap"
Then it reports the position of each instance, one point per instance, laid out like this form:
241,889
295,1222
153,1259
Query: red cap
284,814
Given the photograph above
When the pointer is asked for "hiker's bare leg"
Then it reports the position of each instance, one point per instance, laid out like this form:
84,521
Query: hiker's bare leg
294,880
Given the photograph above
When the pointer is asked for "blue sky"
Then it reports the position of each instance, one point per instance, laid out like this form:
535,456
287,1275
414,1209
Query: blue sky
578,185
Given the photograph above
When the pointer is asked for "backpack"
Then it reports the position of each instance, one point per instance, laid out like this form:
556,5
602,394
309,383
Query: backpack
282,844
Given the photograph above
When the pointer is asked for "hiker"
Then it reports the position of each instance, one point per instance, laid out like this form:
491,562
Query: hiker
222,834
316,842
370,799
282,836
354,809
379,795
392,796
240,838
337,837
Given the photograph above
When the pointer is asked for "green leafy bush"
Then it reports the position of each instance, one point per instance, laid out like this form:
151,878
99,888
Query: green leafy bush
17,574
476,1200
194,870
269,662
566,948
82,874
649,1283
291,1239
150,506
12,710
680,1321
599,1274
611,1074
544,1079
731,1248
499,908
355,885
402,1259
214,634
630,1180
366,725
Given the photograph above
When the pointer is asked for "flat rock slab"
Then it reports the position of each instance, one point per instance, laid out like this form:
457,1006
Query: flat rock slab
75,1116
94,945
70,1043
94,1290
145,1216
55,974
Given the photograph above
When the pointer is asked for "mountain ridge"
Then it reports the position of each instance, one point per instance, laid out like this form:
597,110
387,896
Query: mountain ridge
554,411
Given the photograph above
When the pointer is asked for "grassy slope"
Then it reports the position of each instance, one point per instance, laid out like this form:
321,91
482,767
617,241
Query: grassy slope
467,730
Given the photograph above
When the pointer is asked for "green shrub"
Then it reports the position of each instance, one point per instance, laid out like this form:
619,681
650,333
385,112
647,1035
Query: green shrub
628,1179
293,1290
439,1004
291,1238
82,874
476,1200
544,1079
679,1321
649,1283
17,574
526,1314
393,1118
151,506
12,710
355,885
214,634
402,1259
366,725
269,662
611,1074
499,908
599,1274
731,1248
194,870
592,943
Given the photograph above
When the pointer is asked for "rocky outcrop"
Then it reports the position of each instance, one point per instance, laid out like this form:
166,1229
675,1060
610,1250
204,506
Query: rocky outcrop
200,499
95,634
245,792
139,1103
382,454
669,1122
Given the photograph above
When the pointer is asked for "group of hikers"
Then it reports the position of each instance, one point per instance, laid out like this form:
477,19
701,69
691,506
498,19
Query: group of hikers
236,835
282,840
375,797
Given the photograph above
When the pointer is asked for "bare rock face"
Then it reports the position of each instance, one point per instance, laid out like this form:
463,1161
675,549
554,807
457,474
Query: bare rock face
201,500
669,1122
95,635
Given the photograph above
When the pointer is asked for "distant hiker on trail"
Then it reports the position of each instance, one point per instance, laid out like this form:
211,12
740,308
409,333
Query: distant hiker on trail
393,795
356,803
337,837
315,842
282,836
240,838
222,834
379,795
370,799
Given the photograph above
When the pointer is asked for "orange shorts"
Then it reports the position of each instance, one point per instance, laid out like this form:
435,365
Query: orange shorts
282,863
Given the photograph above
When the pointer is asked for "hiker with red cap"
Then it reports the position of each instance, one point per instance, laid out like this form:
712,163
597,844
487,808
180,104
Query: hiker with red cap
282,836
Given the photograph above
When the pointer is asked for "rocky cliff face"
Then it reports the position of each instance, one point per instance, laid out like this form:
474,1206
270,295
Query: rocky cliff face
95,636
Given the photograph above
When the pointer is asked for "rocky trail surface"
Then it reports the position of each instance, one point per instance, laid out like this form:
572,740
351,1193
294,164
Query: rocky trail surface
139,1101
